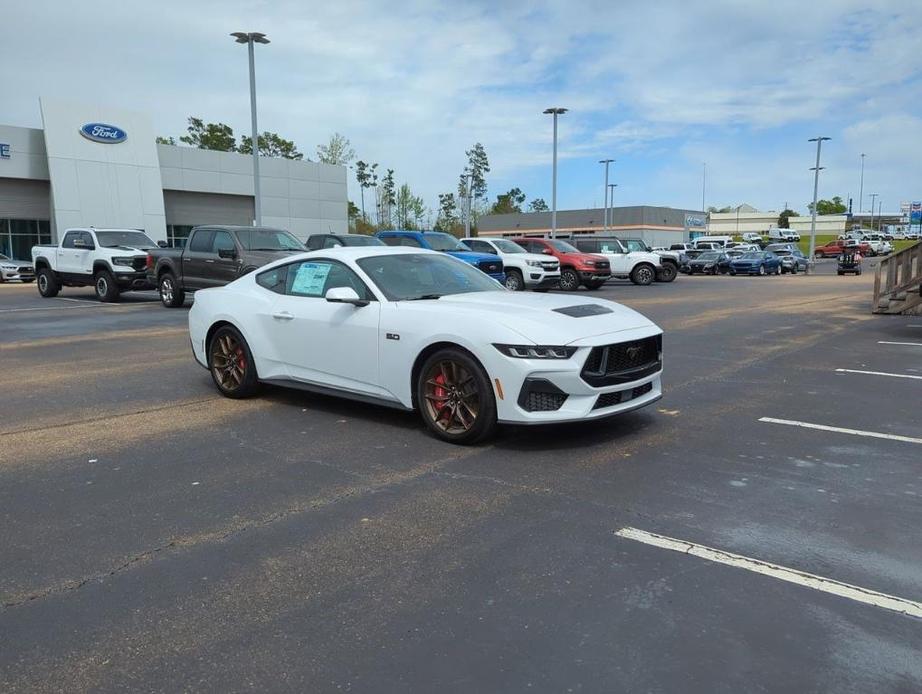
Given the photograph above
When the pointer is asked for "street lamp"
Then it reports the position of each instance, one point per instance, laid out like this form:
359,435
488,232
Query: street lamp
554,111
611,201
816,182
250,40
861,185
873,198
469,178
605,191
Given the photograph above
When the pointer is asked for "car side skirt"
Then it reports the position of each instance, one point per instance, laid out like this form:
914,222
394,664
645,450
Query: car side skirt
336,392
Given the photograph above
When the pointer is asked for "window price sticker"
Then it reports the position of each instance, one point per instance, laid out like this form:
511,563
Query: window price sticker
310,279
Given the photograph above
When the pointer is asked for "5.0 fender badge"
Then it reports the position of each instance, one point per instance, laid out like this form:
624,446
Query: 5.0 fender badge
393,336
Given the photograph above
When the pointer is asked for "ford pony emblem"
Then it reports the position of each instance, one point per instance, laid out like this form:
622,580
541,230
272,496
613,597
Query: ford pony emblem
100,132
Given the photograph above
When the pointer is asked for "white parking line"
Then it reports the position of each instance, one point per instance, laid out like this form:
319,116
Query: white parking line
906,607
877,373
908,344
841,430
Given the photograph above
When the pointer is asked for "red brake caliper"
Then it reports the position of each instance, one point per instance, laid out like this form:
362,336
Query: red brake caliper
442,395
241,359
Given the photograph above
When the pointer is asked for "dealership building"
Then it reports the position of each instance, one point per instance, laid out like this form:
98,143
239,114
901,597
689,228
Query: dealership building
90,165
658,226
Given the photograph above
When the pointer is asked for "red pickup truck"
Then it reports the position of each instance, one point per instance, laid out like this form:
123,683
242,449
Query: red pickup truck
833,249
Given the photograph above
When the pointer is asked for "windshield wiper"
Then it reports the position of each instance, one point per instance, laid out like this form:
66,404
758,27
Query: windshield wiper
424,296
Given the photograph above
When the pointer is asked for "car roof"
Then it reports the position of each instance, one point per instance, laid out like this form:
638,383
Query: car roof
237,227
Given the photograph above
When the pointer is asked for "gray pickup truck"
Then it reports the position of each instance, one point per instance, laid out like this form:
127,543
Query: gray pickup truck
214,256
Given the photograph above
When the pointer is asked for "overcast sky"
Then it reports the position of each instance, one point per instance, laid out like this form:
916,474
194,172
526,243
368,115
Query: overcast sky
660,86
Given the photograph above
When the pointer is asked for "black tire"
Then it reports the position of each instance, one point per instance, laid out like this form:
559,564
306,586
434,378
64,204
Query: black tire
643,274
105,286
733,272
668,273
840,273
569,280
794,269
170,295
231,364
514,281
48,285
27,281
470,393
762,270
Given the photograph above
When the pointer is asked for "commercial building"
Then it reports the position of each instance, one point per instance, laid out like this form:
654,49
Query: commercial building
658,226
91,165
746,218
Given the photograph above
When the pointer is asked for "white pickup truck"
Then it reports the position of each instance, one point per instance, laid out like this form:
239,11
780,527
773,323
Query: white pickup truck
641,267
524,270
110,260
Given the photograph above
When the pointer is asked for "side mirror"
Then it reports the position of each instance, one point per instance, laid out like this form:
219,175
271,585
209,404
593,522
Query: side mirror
162,244
345,295
227,253
545,251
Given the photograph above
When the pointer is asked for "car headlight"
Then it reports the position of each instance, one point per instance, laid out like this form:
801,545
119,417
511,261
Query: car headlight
536,351
8,267
123,260
533,263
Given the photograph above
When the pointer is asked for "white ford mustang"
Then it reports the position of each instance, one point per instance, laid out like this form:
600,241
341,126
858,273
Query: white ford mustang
420,330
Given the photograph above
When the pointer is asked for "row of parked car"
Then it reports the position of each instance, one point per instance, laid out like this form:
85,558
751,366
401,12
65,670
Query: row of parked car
117,260
744,259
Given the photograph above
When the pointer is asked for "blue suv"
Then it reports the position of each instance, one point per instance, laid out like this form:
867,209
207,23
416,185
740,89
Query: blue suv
446,243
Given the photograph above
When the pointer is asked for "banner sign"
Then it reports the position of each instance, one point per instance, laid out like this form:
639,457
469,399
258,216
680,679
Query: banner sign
915,213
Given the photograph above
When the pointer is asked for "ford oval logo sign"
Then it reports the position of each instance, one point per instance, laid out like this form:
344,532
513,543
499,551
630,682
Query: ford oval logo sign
100,132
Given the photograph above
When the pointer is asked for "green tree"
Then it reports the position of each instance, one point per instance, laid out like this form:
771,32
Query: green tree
387,199
538,205
834,206
165,140
337,151
722,210
508,202
354,215
478,166
447,218
367,177
270,145
217,136
783,218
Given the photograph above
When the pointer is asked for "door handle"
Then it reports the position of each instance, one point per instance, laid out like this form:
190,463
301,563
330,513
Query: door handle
282,315
209,260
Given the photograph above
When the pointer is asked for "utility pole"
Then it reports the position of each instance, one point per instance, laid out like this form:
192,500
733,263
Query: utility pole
861,186
704,178
611,202
605,190
554,111
250,39
816,183
467,217
873,199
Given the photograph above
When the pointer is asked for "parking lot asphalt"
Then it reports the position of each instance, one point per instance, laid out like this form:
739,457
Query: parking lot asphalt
157,537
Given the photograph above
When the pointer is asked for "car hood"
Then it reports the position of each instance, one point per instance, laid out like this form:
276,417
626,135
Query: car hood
475,257
265,257
537,317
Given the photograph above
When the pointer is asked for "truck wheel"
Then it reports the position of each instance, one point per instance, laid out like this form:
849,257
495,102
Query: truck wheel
455,397
47,284
643,274
668,273
106,288
231,364
514,281
569,280
170,295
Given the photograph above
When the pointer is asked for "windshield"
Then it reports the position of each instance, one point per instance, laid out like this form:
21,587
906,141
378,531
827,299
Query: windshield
268,240
408,276
781,251
111,239
751,256
444,242
635,245
507,246
709,256
563,246
361,241
4,257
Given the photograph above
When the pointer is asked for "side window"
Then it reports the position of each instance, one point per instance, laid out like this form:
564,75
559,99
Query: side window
223,241
410,241
392,240
201,241
610,247
586,245
274,280
69,239
87,239
331,242
480,246
314,242
313,279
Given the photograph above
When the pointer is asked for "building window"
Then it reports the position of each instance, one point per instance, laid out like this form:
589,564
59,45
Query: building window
178,234
17,236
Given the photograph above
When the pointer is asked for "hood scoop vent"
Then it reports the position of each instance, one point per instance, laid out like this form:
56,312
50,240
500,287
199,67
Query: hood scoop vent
583,311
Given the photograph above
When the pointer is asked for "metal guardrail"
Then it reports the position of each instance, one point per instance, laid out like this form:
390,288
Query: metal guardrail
898,281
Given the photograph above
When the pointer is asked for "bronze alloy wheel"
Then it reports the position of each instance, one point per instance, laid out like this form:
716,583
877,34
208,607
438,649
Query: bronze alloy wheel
228,362
452,399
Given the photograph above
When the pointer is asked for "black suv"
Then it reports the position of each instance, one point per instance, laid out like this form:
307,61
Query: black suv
317,241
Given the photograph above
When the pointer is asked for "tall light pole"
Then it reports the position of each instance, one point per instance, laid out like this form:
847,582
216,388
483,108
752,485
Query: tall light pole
861,186
250,39
605,190
554,111
704,179
873,198
816,183
880,203
611,202
469,178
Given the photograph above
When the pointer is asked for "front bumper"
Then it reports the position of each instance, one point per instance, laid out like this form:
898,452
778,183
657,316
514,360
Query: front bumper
594,275
17,274
536,277
129,278
552,379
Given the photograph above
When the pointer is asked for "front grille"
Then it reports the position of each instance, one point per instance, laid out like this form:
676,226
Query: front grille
602,264
544,402
24,270
550,266
619,396
139,263
491,266
623,362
